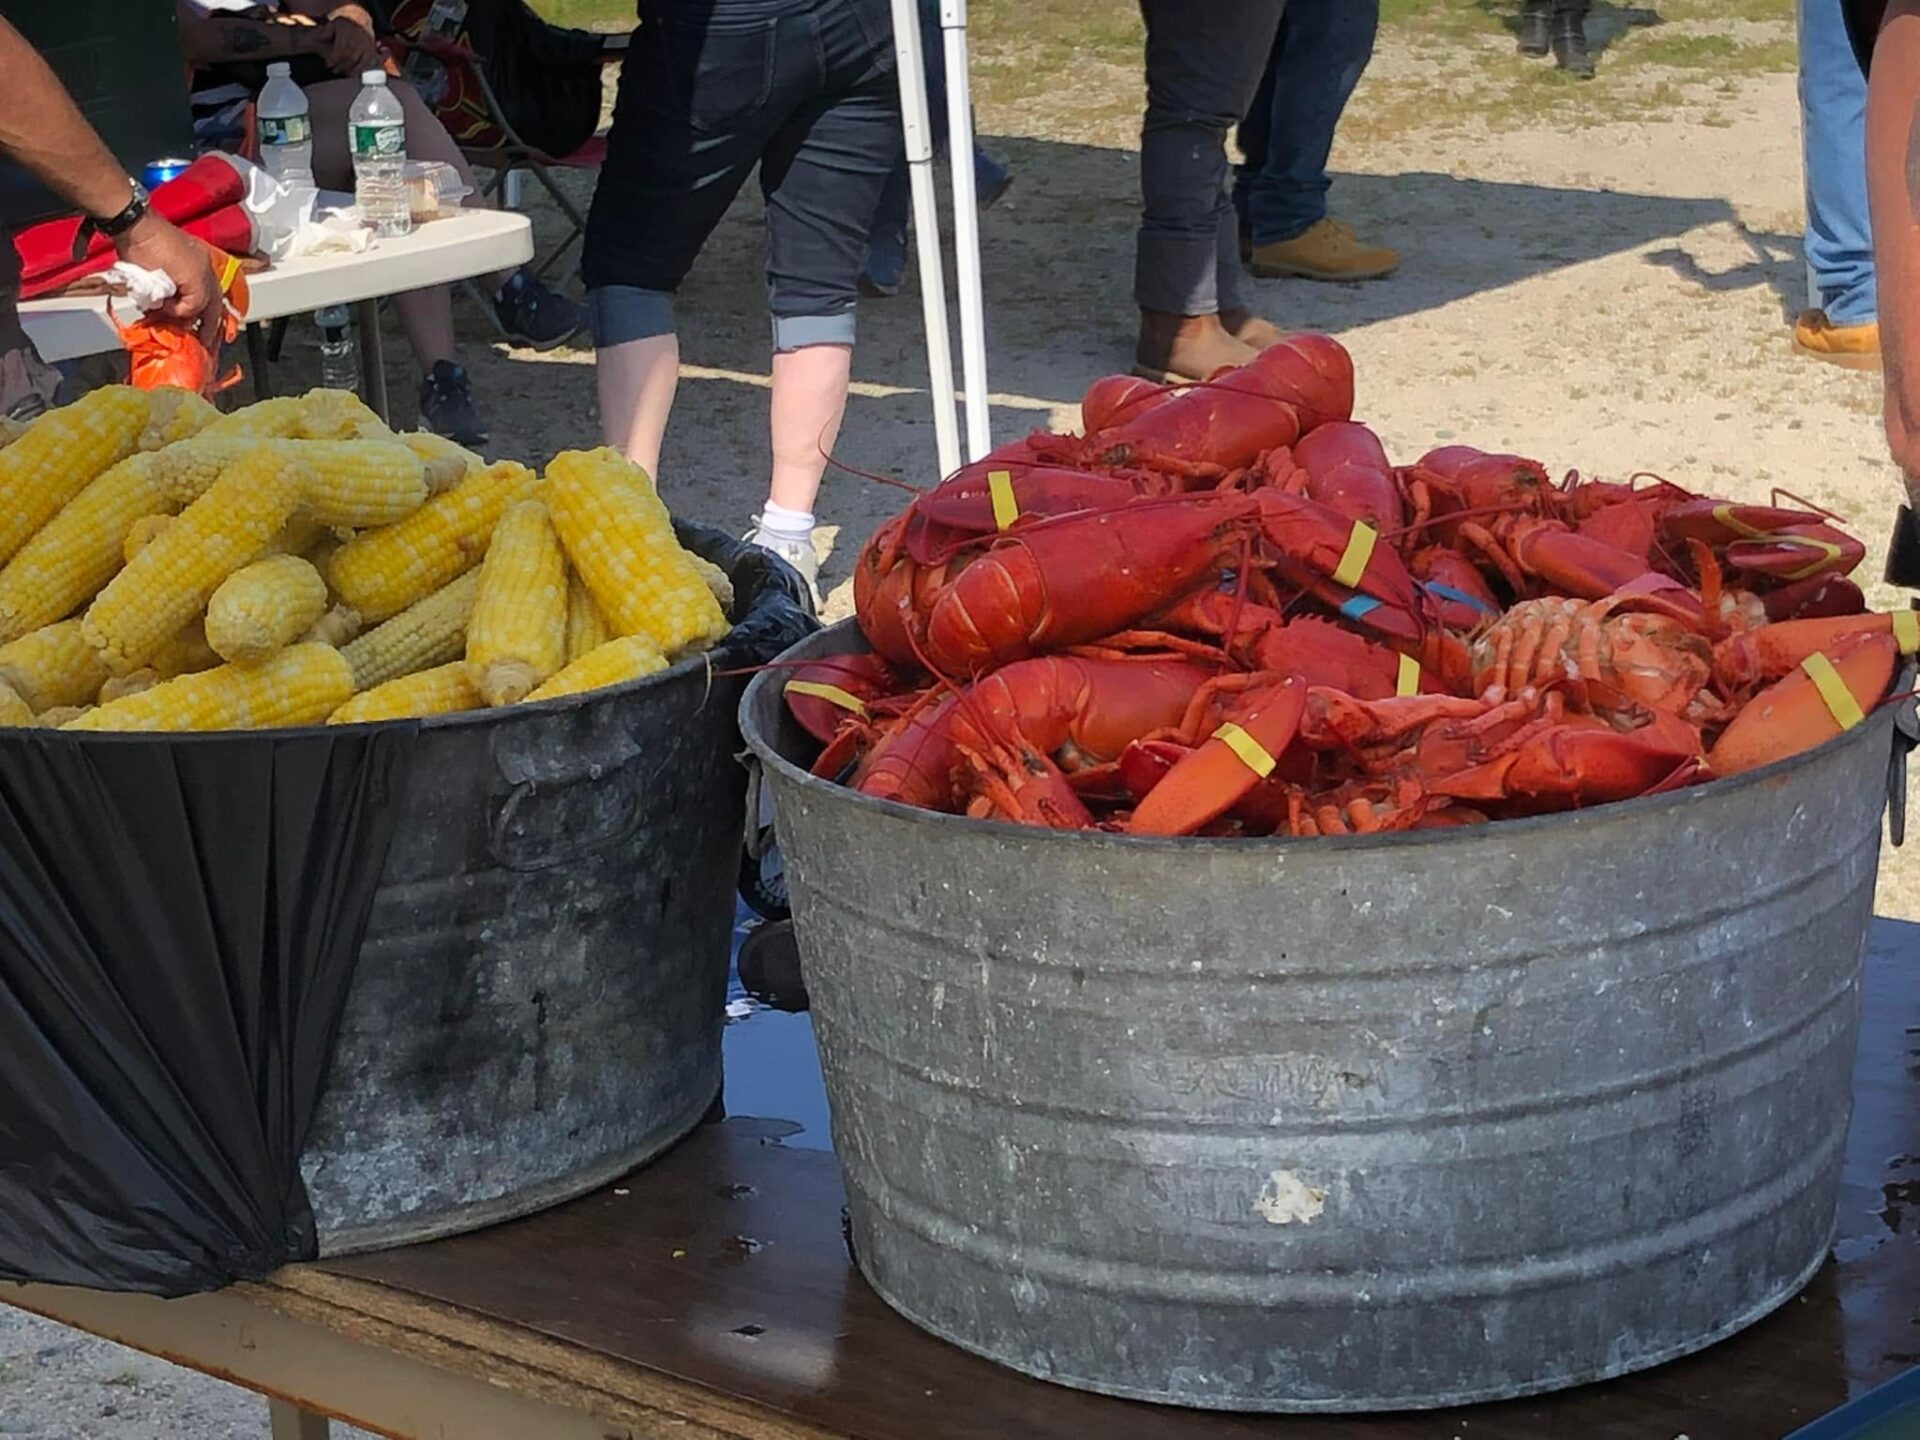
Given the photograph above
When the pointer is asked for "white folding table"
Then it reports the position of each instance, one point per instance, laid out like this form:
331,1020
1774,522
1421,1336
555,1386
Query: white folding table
437,252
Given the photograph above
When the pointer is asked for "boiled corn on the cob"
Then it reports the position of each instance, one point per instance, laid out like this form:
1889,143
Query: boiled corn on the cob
61,454
359,482
170,581
587,628
517,635
184,651
78,550
174,414
613,663
264,607
13,710
52,666
429,632
338,415
381,572
134,682
140,534
301,685
718,582
446,463
262,420
439,691
620,538
187,470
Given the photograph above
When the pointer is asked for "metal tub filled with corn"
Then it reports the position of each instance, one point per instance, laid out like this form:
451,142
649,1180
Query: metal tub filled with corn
537,1001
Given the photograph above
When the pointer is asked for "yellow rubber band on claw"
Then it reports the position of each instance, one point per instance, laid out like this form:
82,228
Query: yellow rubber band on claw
1724,514
1829,552
1251,752
1407,682
832,694
1006,509
1353,560
1841,705
1906,630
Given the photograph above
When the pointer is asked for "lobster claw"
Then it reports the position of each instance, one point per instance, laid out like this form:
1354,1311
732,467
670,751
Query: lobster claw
1216,774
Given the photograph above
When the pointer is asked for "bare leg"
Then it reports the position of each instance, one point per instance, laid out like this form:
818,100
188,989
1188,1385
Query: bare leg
809,401
426,315
636,381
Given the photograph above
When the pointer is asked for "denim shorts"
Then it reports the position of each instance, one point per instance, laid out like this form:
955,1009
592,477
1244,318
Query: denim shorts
804,89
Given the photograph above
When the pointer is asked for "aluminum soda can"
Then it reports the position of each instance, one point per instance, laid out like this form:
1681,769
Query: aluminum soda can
157,172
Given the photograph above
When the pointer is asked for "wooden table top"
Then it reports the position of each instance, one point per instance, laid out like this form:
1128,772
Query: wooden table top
720,1271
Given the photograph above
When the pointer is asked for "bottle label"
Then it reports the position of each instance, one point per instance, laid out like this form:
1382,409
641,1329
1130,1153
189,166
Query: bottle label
377,139
284,130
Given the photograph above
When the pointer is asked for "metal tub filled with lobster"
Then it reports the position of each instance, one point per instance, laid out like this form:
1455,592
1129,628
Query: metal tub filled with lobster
1288,931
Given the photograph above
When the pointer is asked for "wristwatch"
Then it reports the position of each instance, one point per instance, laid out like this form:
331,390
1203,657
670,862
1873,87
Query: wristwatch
113,225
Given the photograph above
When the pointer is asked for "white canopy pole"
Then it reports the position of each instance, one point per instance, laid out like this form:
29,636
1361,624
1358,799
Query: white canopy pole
926,230
966,228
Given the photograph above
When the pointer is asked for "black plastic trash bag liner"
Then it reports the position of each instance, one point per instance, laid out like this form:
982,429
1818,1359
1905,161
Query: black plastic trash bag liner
179,922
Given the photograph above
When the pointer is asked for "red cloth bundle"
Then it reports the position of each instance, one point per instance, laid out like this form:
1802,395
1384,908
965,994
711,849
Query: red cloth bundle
203,200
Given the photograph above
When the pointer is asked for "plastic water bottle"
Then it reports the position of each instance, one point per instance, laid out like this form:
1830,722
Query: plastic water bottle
339,365
377,139
426,72
286,137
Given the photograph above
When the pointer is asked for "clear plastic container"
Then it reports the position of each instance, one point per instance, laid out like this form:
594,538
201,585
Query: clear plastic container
434,188
377,140
283,129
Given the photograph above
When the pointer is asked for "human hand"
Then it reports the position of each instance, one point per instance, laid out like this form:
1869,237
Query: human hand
348,48
154,244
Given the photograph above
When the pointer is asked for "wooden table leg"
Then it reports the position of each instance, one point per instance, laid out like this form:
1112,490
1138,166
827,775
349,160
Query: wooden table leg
373,360
290,1422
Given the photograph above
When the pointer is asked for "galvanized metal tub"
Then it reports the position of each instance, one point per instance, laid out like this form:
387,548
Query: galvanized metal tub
538,1003
1339,1125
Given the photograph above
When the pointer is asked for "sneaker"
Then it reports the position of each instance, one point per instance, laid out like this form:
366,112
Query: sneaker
990,179
446,405
886,268
532,313
1856,347
1325,250
798,554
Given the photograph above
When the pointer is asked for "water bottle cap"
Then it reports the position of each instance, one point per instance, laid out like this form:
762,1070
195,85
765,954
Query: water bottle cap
279,70
373,77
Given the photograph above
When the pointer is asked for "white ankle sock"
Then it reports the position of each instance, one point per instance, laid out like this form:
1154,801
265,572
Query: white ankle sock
777,522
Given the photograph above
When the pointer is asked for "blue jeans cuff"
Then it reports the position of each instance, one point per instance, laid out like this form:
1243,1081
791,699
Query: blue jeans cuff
796,332
621,313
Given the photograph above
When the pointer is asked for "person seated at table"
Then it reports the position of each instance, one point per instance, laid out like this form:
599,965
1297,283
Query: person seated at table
806,91
230,42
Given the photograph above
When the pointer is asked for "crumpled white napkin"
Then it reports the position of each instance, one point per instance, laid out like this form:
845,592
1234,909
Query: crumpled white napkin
287,223
149,289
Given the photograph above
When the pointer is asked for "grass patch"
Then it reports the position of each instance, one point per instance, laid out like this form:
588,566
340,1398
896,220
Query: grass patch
587,14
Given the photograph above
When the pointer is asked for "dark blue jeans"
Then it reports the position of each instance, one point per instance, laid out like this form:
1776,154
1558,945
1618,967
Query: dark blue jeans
1318,56
804,89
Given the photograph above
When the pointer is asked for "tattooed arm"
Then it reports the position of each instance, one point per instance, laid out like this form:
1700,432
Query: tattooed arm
222,36
1893,187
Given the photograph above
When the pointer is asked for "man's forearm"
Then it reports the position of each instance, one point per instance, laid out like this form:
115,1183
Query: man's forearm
1893,189
218,38
42,129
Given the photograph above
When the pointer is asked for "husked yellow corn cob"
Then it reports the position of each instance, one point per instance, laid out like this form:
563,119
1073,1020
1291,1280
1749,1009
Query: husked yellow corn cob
613,663
429,632
134,682
142,533
338,415
262,420
447,464
517,636
439,691
14,711
52,666
78,550
587,628
336,627
301,685
359,482
186,470
620,538
383,571
717,580
174,414
264,607
170,581
61,454
184,651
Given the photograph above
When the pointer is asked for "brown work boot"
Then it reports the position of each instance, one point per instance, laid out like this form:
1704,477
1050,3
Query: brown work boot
1249,329
1855,347
1173,348
1325,250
